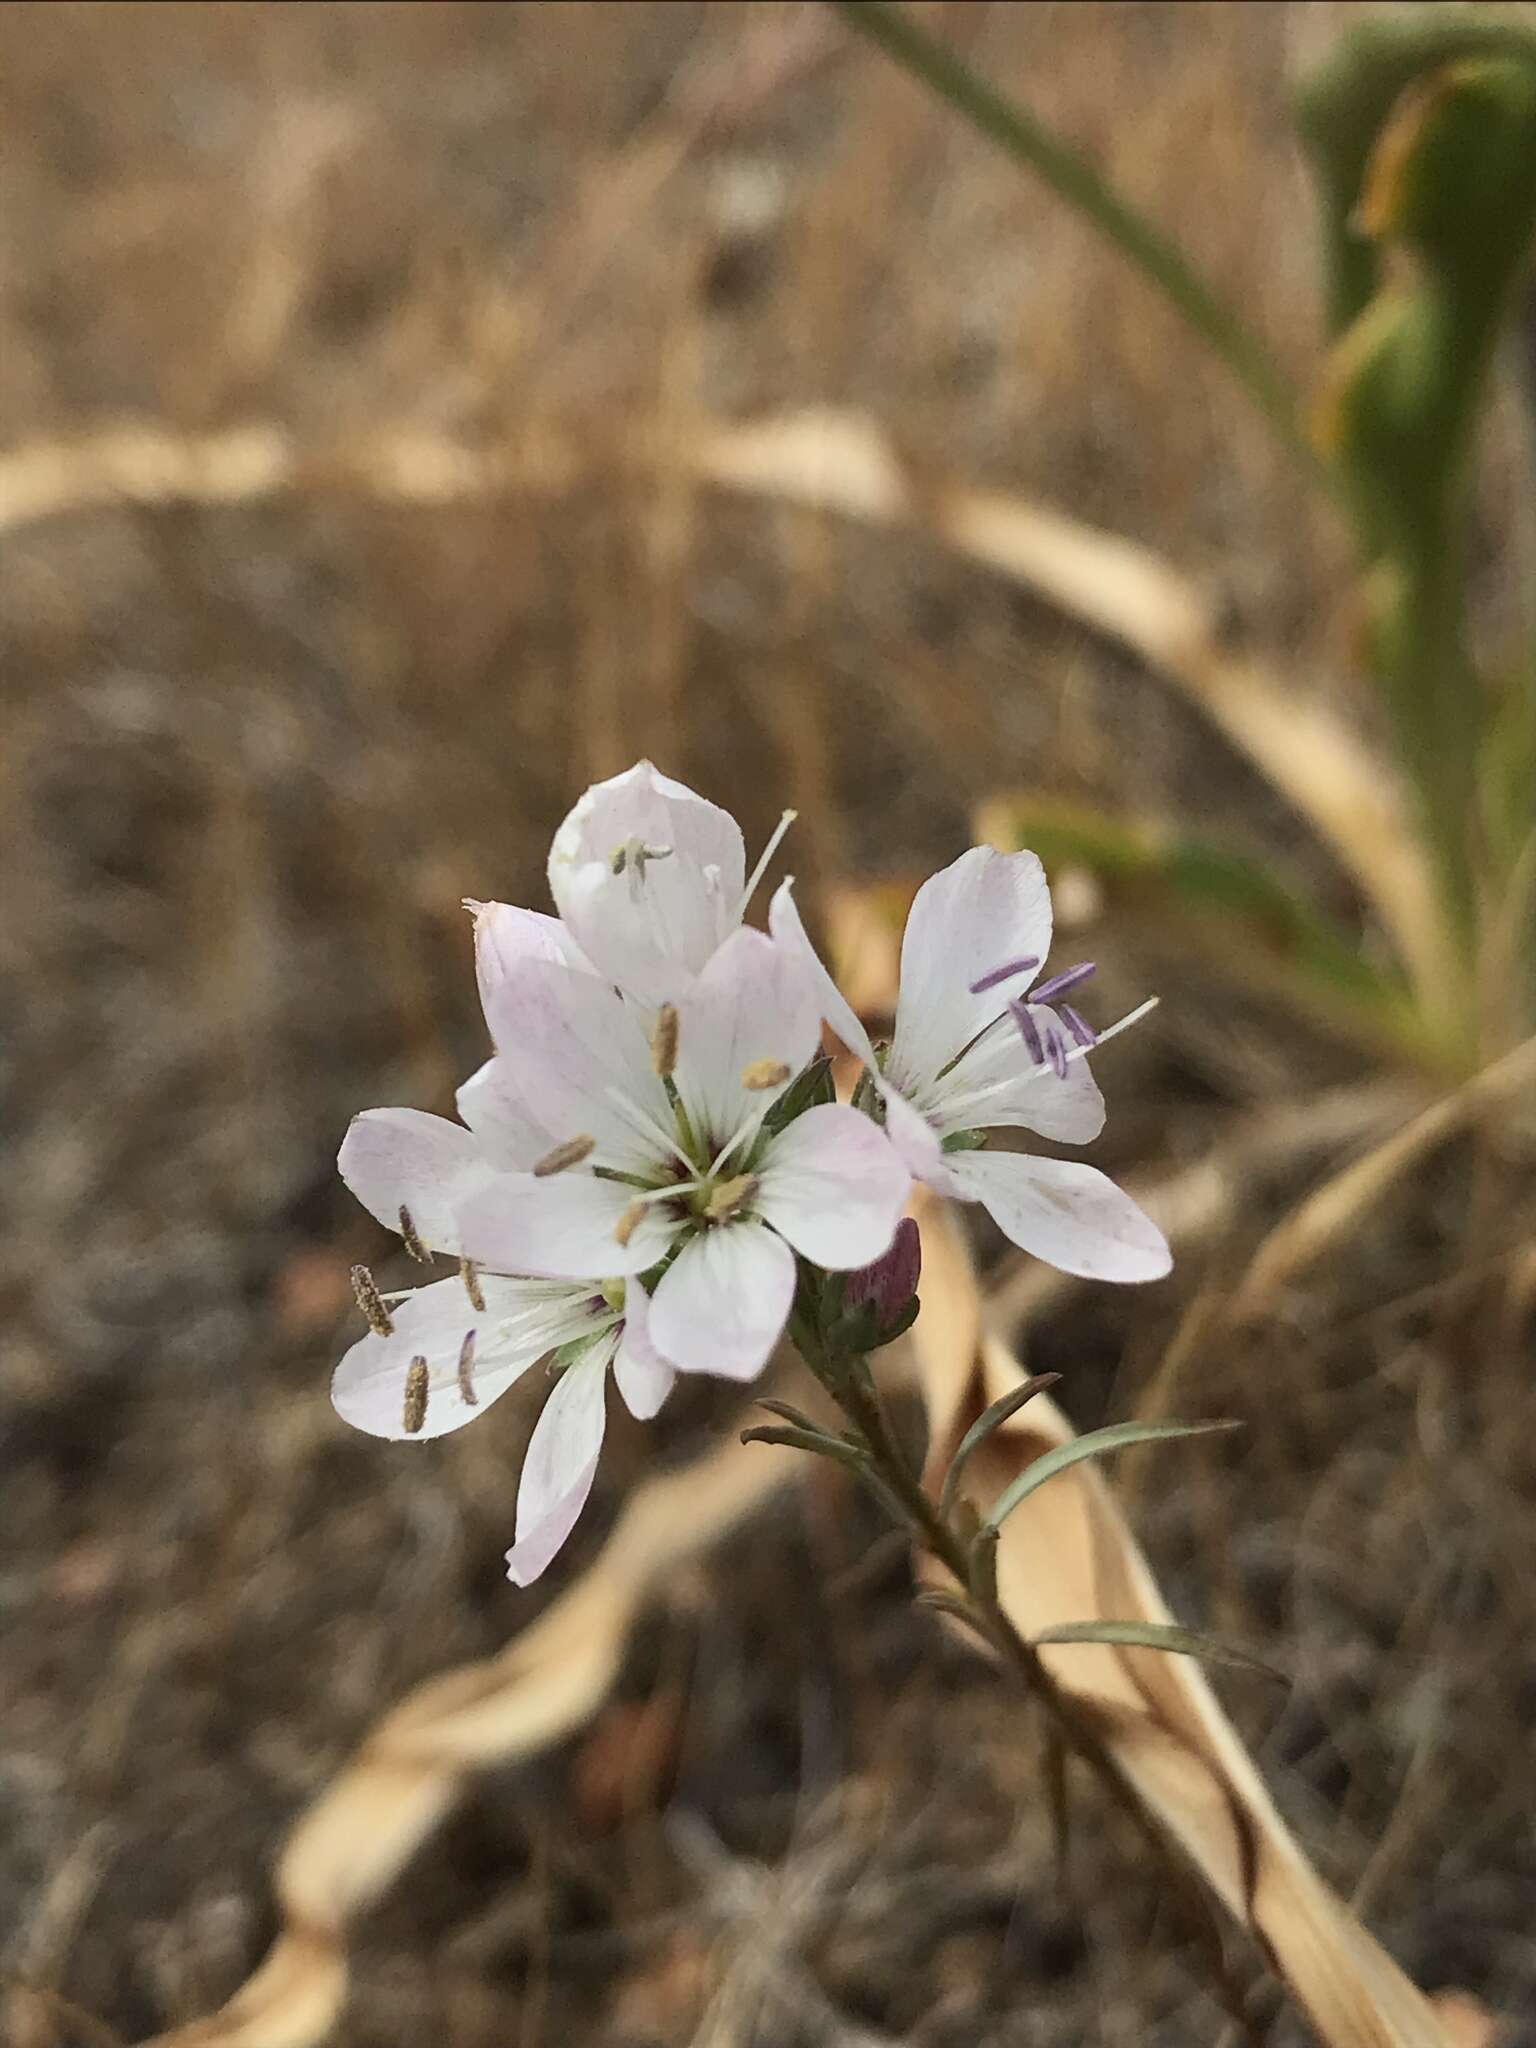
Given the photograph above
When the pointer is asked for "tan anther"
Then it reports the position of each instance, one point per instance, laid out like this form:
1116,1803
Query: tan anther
466,1368
729,1196
664,1041
469,1273
764,1074
413,1243
416,1382
371,1302
571,1153
629,1222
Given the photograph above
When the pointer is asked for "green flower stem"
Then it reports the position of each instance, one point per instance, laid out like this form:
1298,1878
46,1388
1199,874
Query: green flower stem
1158,259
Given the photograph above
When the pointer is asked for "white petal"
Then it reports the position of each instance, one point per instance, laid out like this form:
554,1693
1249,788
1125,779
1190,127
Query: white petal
984,909
652,929
516,1327
835,1186
1069,1108
507,936
564,1225
507,1132
403,1158
753,1002
559,1468
721,1306
1068,1214
573,1042
786,927
643,1376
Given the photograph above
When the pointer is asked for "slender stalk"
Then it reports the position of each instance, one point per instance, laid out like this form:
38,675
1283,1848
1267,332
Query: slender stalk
1159,259
852,1387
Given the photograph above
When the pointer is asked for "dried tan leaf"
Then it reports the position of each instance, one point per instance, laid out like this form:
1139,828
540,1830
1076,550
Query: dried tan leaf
1066,1554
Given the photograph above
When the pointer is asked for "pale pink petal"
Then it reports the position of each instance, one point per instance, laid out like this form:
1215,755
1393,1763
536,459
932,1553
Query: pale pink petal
506,937
1068,1108
576,1046
508,1133
917,1142
1068,1214
652,929
368,1386
643,1376
565,1225
752,1004
834,1185
721,1306
559,1467
403,1158
981,911
785,925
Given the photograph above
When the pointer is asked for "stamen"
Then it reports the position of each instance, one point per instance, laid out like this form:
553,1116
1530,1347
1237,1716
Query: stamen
571,1153
469,1273
371,1302
417,1381
1079,1027
466,1366
729,1197
763,1074
646,1125
413,1243
1006,972
1018,1009
966,1105
1056,1051
1060,983
630,1222
664,1041
786,819
633,854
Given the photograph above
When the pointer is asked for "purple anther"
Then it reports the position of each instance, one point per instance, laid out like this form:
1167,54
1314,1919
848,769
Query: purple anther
1056,1051
1079,1027
1005,973
1018,1009
1060,983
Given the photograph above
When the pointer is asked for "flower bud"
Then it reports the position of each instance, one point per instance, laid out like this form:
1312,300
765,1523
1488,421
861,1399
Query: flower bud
889,1284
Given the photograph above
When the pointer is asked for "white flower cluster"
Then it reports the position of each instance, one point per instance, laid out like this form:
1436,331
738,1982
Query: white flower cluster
636,1177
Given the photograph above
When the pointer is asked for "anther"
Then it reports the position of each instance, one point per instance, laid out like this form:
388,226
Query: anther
762,1074
1060,983
466,1366
729,1196
469,1273
413,1243
371,1302
629,1222
664,1041
1056,1051
1018,1010
571,1153
415,1411
1079,1027
1006,972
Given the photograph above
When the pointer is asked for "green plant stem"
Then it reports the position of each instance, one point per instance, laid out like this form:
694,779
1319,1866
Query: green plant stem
1158,259
852,1387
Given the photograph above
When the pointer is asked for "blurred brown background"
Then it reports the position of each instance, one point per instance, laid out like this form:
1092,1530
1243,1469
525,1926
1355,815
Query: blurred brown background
256,750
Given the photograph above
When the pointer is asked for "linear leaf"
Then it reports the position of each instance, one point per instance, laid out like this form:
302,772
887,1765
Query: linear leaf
1113,1438
1155,1635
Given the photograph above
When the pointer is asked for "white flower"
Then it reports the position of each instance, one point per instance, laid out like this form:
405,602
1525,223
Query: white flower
650,879
642,1167
965,1057
447,1356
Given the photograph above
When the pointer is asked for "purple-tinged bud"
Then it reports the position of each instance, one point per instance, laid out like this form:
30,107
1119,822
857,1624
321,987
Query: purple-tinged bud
1018,1009
889,1284
1006,972
1060,983
1079,1027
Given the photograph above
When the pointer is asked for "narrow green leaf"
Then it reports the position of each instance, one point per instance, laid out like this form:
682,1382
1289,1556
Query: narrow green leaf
810,1440
1093,1445
1156,1635
993,1418
786,1412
